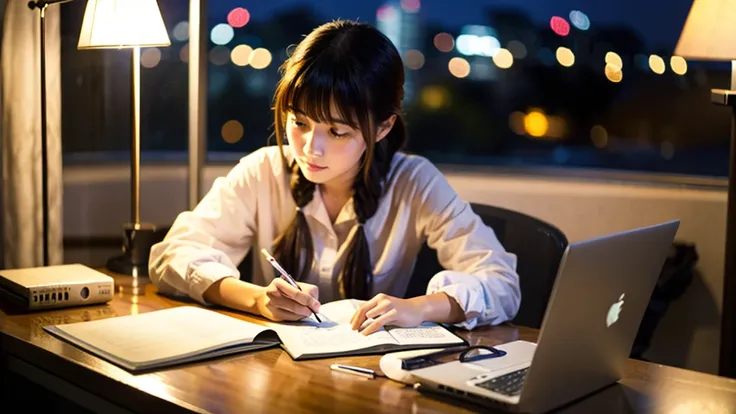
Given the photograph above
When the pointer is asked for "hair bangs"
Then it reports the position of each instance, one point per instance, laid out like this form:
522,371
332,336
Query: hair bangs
318,88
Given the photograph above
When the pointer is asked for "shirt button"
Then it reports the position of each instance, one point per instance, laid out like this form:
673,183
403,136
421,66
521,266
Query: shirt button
325,269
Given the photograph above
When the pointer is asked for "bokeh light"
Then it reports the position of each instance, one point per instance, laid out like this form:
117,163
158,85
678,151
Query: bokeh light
444,42
181,31
387,13
557,127
536,123
678,65
222,34
459,67
517,49
241,55
219,55
184,53
150,57
559,25
434,97
599,136
579,20
410,6
232,131
260,58
656,64
612,58
414,59
614,73
503,58
238,17
565,57
470,44
516,122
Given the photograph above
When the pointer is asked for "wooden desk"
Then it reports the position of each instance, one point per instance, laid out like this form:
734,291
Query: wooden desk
269,381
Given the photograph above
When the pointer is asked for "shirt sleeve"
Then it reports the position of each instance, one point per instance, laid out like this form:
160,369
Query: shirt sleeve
207,244
481,275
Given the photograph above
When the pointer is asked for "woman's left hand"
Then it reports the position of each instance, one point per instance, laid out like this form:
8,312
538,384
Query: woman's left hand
385,310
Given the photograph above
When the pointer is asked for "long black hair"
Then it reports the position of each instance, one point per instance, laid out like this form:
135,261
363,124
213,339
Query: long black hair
356,68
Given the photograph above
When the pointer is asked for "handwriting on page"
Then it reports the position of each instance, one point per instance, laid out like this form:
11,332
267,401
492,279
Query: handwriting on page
341,336
422,334
417,333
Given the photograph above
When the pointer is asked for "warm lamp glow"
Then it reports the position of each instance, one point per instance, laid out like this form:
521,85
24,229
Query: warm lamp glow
709,32
122,24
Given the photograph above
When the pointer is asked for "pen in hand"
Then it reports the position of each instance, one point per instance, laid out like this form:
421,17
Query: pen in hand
286,276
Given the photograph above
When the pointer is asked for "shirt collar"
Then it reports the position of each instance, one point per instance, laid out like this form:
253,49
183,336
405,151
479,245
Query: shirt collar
316,208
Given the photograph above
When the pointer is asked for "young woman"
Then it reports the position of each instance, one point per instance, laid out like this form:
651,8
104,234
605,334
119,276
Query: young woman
339,207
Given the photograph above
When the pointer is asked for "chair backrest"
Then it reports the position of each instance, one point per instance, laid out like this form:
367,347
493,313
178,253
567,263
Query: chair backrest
538,245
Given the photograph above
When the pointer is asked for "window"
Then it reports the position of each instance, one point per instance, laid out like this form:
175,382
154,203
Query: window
97,94
498,83
502,83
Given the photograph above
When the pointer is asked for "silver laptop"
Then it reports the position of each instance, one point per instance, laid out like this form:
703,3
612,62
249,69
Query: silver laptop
602,289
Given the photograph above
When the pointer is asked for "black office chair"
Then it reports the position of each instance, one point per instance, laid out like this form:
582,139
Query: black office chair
538,246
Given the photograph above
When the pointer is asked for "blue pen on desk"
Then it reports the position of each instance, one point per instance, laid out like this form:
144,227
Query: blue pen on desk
285,276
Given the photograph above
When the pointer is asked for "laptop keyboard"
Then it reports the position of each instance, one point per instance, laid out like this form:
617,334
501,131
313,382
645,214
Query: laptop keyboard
508,384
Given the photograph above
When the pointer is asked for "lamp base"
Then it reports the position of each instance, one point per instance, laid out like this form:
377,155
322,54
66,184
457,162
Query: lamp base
137,241
122,265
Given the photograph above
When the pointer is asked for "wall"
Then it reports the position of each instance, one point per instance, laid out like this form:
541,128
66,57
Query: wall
96,203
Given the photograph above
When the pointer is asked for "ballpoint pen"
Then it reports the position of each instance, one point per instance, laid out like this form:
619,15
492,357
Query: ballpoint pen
361,372
286,277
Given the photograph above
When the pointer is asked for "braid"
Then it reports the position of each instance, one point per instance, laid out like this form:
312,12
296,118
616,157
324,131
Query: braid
296,239
357,278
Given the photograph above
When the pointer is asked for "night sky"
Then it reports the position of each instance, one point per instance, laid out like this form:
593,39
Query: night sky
658,22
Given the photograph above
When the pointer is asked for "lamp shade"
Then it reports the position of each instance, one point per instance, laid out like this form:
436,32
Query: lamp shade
122,24
709,32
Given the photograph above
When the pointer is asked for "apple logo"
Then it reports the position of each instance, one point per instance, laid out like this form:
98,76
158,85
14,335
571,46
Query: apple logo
614,311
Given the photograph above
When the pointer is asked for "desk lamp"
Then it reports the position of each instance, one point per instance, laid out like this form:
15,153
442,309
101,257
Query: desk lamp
116,24
709,34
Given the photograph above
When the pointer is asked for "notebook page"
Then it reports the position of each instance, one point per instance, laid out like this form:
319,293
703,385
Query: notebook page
340,311
162,334
327,337
425,334
333,335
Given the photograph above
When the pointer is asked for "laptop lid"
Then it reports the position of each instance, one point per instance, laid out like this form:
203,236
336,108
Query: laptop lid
601,292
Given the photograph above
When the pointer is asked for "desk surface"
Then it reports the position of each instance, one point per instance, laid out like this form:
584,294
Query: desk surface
270,381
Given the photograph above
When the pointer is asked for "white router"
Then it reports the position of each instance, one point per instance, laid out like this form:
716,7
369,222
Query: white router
50,287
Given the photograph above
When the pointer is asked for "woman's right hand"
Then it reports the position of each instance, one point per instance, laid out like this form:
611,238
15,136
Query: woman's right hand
279,301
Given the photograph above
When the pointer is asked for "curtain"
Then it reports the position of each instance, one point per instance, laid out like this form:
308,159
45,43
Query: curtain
20,135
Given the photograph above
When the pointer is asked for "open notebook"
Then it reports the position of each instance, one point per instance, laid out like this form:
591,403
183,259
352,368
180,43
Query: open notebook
309,339
187,334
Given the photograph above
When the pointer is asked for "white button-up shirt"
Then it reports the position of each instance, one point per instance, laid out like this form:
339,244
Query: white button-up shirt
251,206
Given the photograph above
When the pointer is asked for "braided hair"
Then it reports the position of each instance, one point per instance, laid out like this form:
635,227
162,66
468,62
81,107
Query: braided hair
353,67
